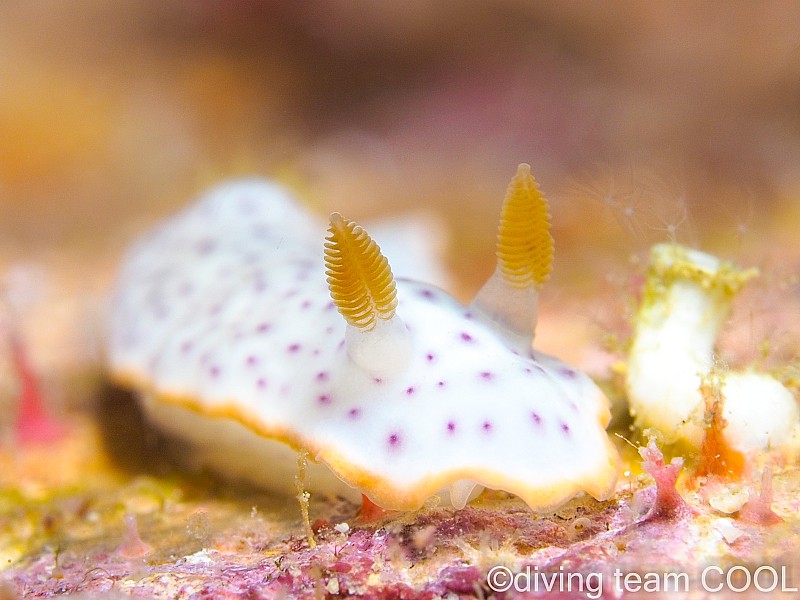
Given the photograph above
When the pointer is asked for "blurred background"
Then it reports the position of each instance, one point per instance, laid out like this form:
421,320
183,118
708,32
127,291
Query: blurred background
642,121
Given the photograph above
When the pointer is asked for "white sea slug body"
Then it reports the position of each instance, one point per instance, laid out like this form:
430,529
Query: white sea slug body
224,319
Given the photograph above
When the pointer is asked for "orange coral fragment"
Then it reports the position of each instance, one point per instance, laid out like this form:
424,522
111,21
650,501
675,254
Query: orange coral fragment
370,511
716,455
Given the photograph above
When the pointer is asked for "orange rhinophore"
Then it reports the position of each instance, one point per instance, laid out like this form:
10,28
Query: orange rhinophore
359,277
524,243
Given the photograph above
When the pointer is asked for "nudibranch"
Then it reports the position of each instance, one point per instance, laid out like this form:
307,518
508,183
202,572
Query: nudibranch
251,339
672,383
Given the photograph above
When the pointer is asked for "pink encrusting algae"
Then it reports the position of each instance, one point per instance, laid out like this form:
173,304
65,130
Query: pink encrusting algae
758,508
33,424
132,544
668,502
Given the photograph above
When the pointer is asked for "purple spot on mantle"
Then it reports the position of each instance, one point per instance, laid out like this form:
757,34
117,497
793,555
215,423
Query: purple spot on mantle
260,231
377,380
186,346
565,428
262,327
451,427
466,337
324,398
487,426
567,372
261,383
410,390
394,440
427,294
487,375
205,247
537,418
468,315
440,384
246,205
293,348
305,305
252,360
536,369
354,413
322,376
430,357
330,306
214,371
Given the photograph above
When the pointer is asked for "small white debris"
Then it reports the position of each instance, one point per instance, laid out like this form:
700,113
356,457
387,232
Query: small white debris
201,557
728,499
730,533
342,527
333,586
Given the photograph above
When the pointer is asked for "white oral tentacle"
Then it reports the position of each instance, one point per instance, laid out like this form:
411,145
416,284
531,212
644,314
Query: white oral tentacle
462,491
